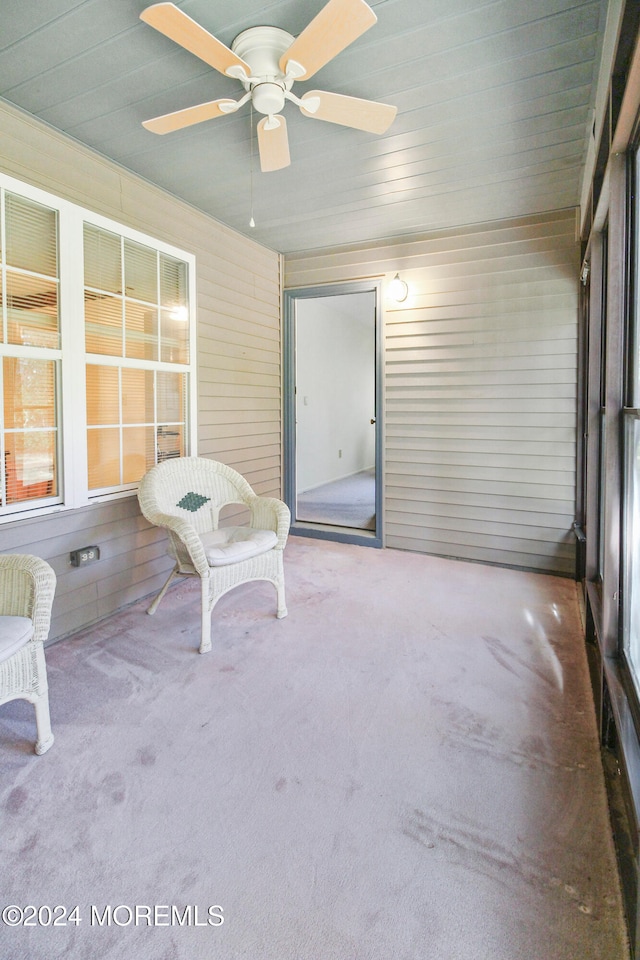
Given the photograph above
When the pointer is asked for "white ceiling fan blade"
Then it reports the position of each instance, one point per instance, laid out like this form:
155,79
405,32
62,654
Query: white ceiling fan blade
337,25
273,143
173,23
190,115
349,111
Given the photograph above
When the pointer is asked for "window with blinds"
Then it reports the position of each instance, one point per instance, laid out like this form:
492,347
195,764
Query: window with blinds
97,354
136,314
30,352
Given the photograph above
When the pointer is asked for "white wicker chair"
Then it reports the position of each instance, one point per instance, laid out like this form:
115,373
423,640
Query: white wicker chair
185,496
27,586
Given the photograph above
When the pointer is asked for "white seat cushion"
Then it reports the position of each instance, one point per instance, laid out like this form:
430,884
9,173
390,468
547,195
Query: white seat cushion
232,544
14,633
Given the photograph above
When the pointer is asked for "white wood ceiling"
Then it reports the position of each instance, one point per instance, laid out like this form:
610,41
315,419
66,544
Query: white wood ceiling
494,100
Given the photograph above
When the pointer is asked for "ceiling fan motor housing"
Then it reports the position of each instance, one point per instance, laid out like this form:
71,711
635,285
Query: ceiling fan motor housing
267,97
261,48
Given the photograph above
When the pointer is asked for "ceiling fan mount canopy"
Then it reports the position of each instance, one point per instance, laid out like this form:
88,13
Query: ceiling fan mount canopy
267,61
261,49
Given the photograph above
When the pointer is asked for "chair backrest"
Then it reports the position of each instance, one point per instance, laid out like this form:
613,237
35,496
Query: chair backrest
27,588
195,488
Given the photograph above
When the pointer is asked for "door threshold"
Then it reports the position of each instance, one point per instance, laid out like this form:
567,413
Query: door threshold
325,531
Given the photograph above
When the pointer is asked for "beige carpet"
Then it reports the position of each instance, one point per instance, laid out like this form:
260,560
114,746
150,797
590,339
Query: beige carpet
406,767
348,502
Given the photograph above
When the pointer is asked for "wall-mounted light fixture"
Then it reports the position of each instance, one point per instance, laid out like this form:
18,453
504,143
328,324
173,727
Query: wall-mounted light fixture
398,289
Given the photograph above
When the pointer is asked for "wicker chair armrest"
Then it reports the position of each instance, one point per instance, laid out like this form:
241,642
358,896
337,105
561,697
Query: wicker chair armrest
182,530
45,587
269,513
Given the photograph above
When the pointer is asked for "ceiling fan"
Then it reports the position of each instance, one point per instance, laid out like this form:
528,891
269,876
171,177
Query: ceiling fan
267,61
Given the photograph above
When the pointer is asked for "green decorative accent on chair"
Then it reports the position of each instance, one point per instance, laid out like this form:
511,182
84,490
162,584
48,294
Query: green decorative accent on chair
192,501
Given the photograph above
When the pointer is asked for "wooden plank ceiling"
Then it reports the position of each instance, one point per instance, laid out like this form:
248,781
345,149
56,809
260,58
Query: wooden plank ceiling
494,100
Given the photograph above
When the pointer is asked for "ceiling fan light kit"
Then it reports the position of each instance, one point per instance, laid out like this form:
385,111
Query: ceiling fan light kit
267,61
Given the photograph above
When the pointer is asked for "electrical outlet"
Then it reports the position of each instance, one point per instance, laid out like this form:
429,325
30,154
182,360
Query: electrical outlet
339,454
84,555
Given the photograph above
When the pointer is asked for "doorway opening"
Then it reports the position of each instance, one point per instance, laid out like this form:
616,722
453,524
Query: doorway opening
332,402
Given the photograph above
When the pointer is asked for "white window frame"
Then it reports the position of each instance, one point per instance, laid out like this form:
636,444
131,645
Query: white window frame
72,425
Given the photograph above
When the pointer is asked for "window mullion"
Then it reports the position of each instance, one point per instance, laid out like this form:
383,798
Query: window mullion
3,277
3,472
73,377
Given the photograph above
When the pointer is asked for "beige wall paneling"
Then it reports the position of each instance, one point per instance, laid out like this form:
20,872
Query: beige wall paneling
239,422
480,387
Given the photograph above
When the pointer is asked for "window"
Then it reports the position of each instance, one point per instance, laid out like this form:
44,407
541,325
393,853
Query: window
136,309
631,593
97,354
631,485
30,369
602,392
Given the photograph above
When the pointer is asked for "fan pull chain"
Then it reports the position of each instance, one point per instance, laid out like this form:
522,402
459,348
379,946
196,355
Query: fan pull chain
252,222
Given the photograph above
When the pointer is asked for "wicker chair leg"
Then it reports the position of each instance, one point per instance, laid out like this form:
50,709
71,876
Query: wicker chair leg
282,605
205,637
43,724
154,606
279,585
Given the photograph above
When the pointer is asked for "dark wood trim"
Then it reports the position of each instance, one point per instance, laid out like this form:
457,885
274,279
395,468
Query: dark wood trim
592,470
614,401
620,760
607,238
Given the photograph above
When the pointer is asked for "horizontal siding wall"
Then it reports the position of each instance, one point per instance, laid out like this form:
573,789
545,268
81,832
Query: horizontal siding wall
238,291
480,388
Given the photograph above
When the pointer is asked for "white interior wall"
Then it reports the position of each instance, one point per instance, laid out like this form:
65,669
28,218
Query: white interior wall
335,380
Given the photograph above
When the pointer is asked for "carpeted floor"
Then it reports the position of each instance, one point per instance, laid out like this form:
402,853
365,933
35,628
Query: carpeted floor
348,502
406,767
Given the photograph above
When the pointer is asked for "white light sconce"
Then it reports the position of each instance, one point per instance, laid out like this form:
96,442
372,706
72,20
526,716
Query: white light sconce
398,289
